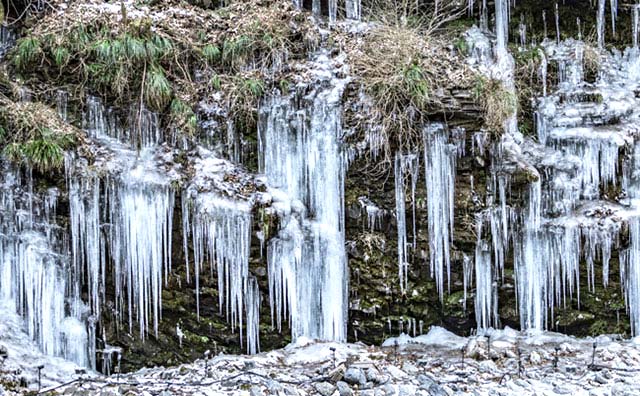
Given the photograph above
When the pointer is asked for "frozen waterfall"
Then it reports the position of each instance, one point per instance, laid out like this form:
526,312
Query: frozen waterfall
302,158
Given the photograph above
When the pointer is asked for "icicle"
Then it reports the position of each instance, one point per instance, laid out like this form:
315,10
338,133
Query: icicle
484,16
404,164
375,215
557,15
467,279
614,14
186,231
544,23
84,219
635,25
403,263
142,216
62,100
221,233
543,77
631,276
316,8
440,176
579,24
486,299
531,276
502,26
600,23
522,28
354,8
35,277
333,11
252,305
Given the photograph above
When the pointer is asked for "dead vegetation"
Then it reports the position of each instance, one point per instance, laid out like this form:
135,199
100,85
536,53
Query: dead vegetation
33,134
407,69
167,56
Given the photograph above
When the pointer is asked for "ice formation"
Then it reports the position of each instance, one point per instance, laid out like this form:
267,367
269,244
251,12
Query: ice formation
302,158
571,224
406,166
121,219
440,165
34,269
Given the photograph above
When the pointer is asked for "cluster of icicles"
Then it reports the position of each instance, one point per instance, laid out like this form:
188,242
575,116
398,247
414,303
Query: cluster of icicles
353,8
121,230
569,219
121,225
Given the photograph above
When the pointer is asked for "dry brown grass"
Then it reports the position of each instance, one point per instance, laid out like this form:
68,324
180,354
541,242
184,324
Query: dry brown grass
147,53
33,134
406,73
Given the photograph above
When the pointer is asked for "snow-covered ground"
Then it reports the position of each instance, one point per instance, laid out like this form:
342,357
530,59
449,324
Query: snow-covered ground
511,363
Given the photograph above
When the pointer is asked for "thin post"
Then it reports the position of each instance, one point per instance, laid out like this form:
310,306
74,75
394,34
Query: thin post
40,367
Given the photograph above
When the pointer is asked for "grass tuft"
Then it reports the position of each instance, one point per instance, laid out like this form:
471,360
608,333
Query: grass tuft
34,135
211,54
157,89
28,52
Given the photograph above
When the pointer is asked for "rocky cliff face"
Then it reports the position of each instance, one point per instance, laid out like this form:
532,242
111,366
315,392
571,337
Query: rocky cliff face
228,179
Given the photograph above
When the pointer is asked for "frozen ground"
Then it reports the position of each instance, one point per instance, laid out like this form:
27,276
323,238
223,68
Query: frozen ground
432,364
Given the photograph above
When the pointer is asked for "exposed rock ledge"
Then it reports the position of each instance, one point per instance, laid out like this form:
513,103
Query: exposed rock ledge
438,363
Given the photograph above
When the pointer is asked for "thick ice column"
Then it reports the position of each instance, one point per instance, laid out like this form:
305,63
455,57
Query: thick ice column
440,166
301,155
502,26
600,23
631,276
530,265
